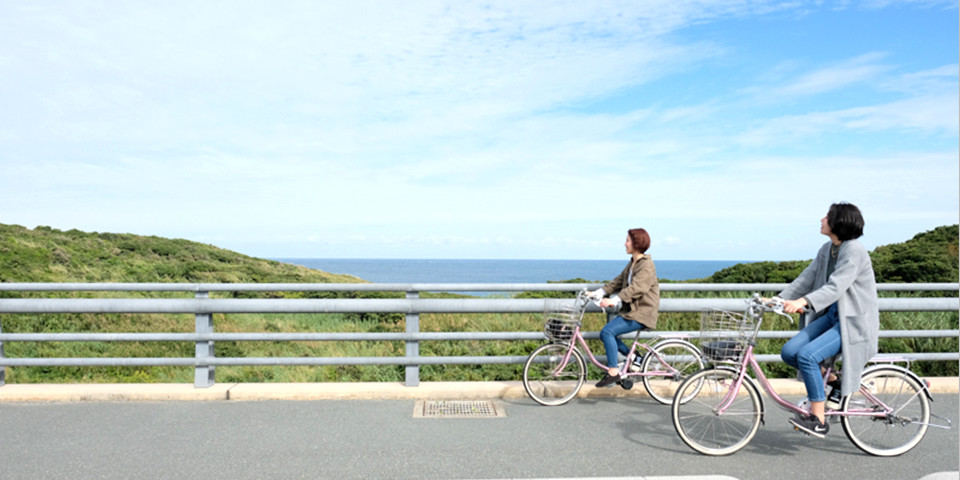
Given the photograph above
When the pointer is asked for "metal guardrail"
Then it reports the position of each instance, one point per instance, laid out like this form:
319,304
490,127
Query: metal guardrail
412,306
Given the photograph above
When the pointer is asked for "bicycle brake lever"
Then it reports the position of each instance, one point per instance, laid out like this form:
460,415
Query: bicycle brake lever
775,305
778,309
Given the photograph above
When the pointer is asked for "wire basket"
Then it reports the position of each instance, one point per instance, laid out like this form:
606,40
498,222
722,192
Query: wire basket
724,336
560,320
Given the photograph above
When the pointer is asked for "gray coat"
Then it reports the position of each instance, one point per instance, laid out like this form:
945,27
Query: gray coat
854,287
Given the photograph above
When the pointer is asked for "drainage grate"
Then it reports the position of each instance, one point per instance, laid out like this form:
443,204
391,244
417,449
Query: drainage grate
458,409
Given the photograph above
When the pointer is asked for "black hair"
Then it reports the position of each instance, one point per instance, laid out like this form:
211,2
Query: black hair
845,221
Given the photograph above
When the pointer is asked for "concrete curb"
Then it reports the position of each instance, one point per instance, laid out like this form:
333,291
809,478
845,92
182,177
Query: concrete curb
337,391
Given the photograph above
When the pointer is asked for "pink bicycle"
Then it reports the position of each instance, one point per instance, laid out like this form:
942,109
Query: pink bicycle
888,416
554,373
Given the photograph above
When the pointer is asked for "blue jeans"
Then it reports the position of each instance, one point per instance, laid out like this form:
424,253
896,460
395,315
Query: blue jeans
609,334
816,342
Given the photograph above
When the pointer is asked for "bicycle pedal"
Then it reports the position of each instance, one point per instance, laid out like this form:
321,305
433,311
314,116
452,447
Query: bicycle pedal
626,384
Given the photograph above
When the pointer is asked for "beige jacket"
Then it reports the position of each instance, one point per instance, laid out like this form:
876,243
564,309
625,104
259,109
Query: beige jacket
641,297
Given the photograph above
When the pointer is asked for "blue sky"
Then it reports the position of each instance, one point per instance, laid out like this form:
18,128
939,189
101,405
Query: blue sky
461,129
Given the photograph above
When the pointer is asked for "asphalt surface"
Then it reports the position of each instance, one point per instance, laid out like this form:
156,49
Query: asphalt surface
262,436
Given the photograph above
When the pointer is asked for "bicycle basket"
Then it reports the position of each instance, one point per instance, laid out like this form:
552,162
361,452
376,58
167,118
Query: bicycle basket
560,320
724,336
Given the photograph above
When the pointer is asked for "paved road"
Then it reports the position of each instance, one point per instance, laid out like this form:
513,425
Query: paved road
382,439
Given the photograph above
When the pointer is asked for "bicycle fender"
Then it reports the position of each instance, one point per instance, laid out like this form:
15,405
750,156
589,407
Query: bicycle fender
672,341
890,366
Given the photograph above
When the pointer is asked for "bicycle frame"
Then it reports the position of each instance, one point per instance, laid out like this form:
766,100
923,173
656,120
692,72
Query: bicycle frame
625,370
749,361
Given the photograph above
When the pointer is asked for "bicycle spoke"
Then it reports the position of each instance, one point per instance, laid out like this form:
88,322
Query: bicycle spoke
666,366
698,422
889,415
550,381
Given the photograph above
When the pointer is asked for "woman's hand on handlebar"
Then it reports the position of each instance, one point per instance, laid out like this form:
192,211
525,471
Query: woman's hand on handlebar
776,304
772,303
595,295
795,306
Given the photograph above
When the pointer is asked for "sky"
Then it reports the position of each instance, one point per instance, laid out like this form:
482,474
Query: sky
495,129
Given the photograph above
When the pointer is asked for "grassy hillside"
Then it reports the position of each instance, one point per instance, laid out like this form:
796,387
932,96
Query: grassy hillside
927,257
48,255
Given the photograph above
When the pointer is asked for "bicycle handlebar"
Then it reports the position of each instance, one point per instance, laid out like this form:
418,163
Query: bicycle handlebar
583,296
757,305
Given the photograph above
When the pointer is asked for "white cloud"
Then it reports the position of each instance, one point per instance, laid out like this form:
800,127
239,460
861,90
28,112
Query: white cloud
848,73
453,129
932,115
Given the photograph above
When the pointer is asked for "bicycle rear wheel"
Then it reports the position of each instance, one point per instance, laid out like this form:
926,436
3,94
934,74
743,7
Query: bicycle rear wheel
667,356
698,422
906,420
544,383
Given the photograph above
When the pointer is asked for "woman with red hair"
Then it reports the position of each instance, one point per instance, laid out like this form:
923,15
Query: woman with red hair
635,295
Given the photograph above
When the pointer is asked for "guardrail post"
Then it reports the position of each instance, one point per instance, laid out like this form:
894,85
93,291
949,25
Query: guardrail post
205,375
413,347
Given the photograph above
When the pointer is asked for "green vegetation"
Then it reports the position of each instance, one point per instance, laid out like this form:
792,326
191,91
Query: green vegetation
48,255
927,257
760,272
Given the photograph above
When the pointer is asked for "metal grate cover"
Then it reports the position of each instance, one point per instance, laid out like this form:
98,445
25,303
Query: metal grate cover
458,409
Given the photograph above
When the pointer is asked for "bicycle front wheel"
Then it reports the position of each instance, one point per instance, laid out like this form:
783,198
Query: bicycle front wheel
670,363
906,407
545,382
701,424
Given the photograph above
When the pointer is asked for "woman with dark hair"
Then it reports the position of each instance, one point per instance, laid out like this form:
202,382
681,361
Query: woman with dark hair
635,295
840,288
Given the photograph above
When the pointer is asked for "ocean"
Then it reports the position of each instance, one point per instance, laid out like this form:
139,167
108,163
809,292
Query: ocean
500,271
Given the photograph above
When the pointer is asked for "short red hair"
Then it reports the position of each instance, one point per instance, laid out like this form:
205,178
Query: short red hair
640,239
